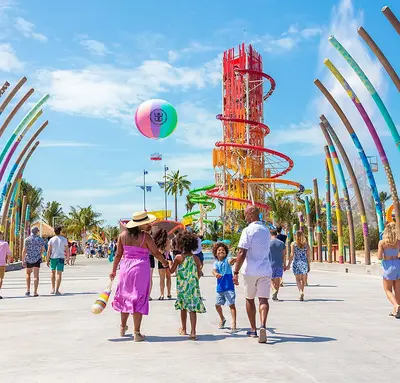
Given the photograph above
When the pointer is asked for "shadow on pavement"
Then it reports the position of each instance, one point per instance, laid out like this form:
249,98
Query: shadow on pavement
51,295
200,338
312,300
297,338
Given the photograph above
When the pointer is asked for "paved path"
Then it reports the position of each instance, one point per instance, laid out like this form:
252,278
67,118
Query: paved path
341,333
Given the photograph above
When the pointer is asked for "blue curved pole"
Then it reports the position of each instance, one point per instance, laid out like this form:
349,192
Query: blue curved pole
372,91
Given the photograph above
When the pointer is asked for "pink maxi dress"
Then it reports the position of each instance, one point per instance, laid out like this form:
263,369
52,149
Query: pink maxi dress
133,290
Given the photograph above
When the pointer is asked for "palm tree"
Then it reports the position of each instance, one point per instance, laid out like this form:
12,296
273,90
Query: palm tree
384,197
278,208
111,232
53,210
82,219
189,204
214,230
34,198
177,184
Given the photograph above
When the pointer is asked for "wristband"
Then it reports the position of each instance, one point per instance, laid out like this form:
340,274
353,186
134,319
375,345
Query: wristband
236,272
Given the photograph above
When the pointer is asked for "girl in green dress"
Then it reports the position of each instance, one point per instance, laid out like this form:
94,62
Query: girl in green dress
187,282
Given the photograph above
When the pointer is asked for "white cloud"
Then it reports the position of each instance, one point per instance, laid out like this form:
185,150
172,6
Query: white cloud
8,60
198,126
95,47
343,26
111,92
28,29
287,40
306,136
65,144
193,48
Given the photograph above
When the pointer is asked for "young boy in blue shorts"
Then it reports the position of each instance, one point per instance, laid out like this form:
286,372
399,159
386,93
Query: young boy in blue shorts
222,270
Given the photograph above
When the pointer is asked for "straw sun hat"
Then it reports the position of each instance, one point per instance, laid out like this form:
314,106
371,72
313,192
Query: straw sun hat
140,218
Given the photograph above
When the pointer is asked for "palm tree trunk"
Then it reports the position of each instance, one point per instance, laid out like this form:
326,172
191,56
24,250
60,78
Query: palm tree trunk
176,207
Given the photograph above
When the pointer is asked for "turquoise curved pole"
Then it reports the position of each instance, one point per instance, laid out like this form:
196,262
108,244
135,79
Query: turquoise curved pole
309,228
376,140
10,153
372,91
31,114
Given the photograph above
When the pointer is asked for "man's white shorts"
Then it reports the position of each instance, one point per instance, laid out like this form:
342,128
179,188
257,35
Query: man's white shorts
259,287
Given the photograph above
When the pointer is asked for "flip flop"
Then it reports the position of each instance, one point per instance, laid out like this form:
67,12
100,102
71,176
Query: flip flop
169,296
27,294
123,330
252,334
181,332
161,298
222,324
398,313
36,295
192,337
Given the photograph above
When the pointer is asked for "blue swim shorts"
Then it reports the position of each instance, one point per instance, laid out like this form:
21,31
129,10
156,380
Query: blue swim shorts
227,297
277,272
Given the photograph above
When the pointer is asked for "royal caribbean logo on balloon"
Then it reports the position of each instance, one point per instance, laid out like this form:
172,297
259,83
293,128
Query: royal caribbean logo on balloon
158,117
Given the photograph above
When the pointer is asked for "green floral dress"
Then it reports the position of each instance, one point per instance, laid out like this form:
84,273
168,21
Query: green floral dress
188,288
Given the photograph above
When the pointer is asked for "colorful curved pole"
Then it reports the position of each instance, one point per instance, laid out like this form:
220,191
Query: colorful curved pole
18,160
372,91
345,191
10,153
318,220
28,220
14,182
364,159
14,111
4,88
375,137
301,221
337,204
309,226
11,95
22,227
392,18
328,212
380,56
23,123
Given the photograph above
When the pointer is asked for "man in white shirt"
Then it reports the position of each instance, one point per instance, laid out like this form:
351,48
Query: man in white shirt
253,255
57,252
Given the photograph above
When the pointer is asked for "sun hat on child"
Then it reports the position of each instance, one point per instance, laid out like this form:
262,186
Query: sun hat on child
140,218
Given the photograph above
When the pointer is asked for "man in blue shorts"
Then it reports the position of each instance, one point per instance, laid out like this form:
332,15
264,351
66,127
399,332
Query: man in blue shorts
278,264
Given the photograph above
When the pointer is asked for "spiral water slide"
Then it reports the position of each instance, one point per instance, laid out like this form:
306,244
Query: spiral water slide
245,170
205,203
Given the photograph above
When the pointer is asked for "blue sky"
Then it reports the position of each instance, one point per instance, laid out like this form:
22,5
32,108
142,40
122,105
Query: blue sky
99,61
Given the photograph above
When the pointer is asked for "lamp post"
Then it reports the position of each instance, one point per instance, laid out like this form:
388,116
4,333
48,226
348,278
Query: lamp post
144,189
165,191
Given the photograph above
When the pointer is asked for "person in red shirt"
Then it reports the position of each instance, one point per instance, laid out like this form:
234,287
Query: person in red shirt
73,252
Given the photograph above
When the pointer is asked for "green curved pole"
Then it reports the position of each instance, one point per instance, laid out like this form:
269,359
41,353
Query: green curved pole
337,203
23,124
345,190
328,212
372,91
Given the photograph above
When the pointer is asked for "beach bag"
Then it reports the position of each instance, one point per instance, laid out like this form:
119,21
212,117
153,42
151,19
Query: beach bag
102,300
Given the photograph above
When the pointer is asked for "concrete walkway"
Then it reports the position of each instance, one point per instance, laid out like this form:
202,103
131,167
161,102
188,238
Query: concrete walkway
341,333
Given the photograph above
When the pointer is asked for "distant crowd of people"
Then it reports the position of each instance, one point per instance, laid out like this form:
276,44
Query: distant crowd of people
100,250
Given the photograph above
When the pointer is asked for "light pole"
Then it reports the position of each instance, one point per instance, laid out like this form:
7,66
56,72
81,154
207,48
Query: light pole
144,189
165,191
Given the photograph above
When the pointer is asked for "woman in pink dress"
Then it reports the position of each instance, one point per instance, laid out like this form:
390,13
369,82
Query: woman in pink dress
133,290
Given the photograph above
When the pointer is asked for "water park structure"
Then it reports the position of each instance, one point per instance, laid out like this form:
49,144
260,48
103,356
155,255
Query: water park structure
246,172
